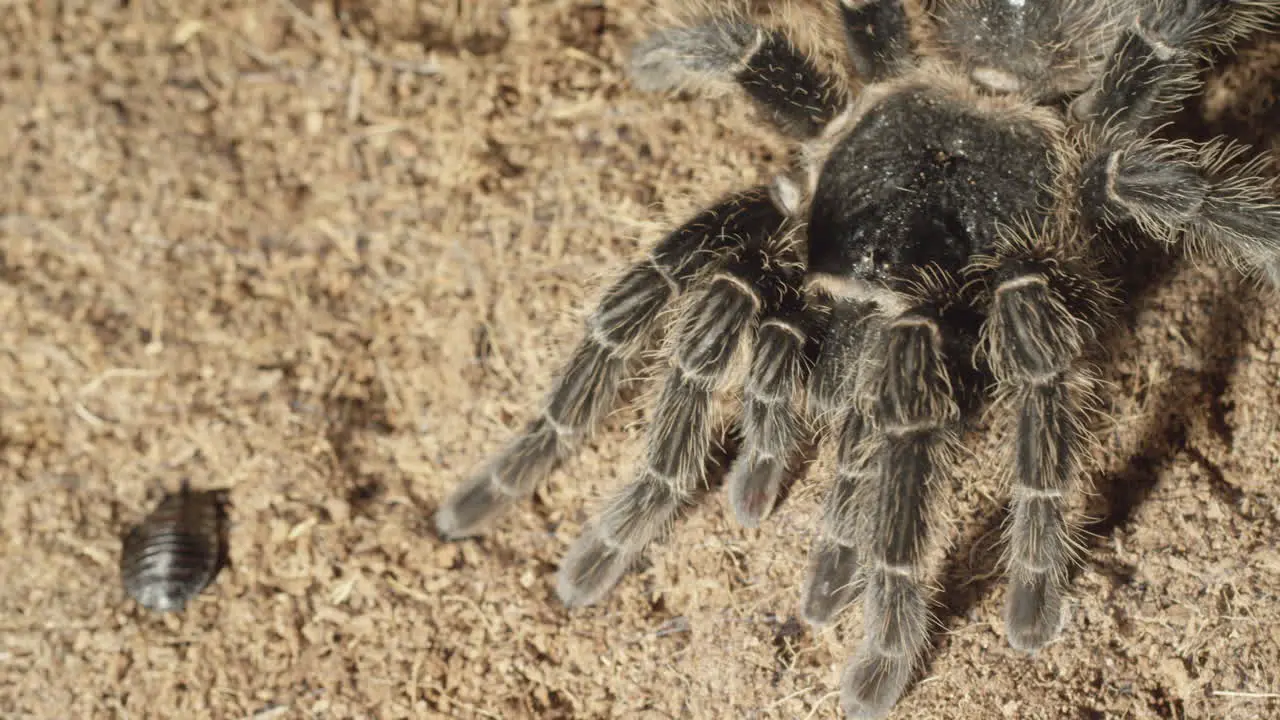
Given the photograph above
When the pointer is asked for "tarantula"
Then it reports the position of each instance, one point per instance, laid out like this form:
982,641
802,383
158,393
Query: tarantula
944,225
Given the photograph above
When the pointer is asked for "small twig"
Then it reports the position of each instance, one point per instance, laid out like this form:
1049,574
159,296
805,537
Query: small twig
113,373
83,413
821,701
1251,695
270,713
354,97
587,58
784,698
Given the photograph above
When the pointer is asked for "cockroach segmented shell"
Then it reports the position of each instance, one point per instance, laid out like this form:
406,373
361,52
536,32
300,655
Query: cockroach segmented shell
174,554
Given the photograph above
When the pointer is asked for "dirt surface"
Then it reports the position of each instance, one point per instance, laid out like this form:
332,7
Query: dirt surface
328,256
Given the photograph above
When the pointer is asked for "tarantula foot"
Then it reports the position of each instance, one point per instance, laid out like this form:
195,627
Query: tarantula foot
873,683
590,570
496,486
834,581
753,487
470,508
1034,613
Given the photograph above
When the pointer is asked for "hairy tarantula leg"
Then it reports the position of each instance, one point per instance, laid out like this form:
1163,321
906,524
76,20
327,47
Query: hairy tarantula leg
910,449
710,337
842,341
833,579
796,96
1154,65
1034,338
876,33
770,421
616,332
1196,194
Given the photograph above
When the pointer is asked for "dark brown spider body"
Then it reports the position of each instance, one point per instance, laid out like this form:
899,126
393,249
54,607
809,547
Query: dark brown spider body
924,178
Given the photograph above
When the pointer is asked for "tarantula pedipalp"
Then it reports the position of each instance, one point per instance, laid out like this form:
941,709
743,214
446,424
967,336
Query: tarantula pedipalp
946,224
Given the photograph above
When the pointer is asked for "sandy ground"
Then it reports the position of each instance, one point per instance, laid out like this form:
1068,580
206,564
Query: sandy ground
328,256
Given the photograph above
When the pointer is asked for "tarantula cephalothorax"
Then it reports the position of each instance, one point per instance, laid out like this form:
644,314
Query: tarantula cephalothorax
944,225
